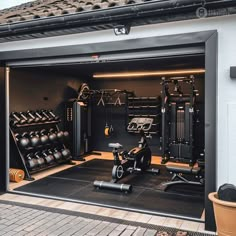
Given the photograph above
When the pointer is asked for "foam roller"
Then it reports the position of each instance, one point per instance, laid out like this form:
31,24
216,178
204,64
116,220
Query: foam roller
113,186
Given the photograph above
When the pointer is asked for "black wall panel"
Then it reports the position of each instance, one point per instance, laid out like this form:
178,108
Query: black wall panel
40,89
44,88
101,114
3,151
141,87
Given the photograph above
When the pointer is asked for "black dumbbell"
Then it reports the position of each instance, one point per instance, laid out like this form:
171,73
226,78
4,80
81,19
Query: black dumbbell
35,119
40,159
48,157
34,139
15,119
31,162
42,118
66,154
52,115
28,120
44,113
52,135
23,140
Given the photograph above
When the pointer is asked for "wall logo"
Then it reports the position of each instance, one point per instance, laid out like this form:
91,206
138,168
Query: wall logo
201,12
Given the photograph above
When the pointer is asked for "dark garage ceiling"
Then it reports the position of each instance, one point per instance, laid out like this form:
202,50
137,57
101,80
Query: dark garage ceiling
88,69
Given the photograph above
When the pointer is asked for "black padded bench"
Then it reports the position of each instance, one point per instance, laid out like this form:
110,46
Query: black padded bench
178,178
183,169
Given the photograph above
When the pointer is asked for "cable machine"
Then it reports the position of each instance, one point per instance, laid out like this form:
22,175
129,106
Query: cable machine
178,111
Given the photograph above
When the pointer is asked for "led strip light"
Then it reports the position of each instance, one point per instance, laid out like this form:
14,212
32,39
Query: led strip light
149,73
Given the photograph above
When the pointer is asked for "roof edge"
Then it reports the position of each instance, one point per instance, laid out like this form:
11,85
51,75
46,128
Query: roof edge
116,14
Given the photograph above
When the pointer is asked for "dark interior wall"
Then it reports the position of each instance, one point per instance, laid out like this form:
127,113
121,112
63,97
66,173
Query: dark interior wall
3,151
117,115
38,88
49,88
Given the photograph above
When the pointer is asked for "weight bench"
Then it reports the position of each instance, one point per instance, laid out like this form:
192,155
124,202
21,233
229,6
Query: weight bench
180,174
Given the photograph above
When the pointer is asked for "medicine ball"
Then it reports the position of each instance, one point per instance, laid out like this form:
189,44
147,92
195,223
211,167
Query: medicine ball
227,192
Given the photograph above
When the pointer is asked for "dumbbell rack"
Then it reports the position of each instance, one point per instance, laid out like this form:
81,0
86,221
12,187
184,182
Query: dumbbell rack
144,107
18,159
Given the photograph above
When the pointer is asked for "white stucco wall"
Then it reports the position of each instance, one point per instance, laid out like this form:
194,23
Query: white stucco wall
226,104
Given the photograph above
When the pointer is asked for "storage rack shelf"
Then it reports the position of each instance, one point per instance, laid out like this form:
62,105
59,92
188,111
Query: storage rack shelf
18,158
144,107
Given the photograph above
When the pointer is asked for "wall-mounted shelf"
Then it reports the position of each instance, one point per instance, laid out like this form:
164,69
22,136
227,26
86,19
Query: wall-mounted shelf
144,110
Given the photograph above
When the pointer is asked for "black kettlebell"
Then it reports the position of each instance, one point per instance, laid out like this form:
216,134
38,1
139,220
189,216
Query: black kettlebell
60,135
23,140
48,157
52,135
66,153
57,155
66,135
34,139
39,158
31,162
43,136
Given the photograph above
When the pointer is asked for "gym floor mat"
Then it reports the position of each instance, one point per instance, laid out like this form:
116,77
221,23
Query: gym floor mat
76,183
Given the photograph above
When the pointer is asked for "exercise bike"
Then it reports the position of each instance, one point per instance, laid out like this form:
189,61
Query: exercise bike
136,160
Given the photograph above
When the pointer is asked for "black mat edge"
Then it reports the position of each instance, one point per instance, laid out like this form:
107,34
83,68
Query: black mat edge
101,218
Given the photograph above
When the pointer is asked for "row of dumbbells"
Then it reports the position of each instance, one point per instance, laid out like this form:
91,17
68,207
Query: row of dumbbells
42,137
39,160
32,117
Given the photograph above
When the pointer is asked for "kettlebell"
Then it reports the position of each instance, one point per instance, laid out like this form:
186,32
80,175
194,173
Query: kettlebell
60,135
66,153
34,139
43,136
66,135
23,140
48,157
52,135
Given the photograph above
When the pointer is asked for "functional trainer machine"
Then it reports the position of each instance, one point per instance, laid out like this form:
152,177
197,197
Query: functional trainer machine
78,123
178,110
136,160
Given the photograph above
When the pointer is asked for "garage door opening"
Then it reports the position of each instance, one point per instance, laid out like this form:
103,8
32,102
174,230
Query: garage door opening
169,108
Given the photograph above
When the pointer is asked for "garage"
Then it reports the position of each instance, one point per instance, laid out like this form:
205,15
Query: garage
99,77
106,111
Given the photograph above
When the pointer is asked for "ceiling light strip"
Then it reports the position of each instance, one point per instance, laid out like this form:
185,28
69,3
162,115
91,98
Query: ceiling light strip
149,73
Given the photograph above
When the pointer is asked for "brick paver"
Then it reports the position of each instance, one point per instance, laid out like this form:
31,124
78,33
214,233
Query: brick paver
24,220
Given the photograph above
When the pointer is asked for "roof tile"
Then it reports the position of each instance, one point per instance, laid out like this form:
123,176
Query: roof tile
48,8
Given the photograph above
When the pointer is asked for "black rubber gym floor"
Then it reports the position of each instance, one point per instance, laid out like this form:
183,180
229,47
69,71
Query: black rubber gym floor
77,183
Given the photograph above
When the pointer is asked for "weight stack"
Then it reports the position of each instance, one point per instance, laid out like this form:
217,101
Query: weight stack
78,124
16,175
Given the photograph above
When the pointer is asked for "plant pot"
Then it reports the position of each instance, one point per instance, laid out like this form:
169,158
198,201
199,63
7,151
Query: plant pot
225,215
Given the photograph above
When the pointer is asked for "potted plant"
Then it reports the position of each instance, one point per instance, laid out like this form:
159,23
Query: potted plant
225,215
